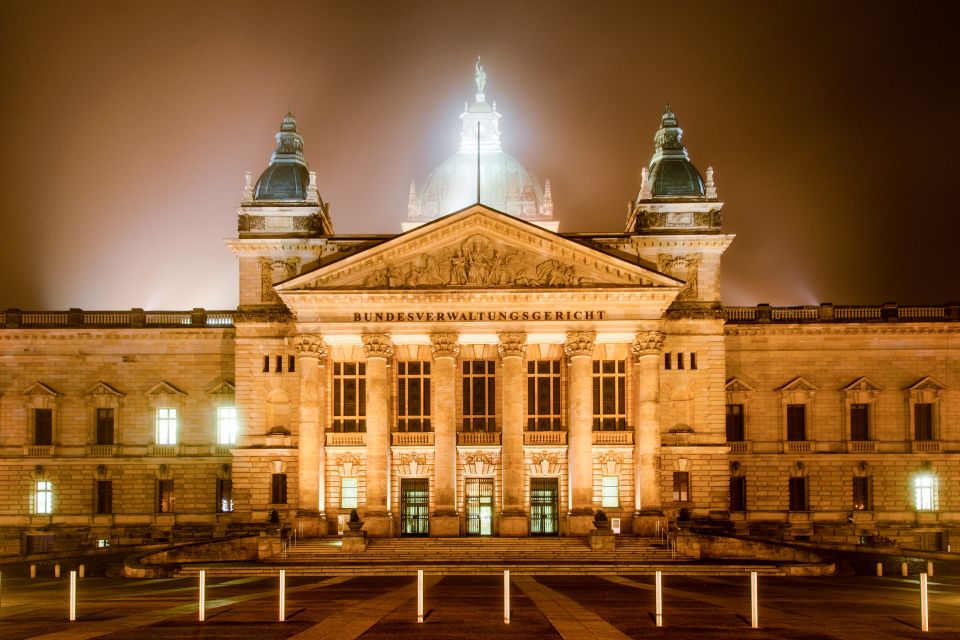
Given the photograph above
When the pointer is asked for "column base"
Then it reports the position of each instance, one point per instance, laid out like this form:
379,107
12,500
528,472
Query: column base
645,523
580,522
444,525
378,525
514,525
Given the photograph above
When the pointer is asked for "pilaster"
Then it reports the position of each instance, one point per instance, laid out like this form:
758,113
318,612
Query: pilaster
311,352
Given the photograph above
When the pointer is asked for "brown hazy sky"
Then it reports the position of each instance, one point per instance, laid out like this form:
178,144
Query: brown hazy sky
126,128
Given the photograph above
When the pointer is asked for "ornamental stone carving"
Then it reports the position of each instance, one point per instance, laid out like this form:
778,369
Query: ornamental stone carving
512,345
274,271
310,345
377,345
444,345
647,343
683,267
579,343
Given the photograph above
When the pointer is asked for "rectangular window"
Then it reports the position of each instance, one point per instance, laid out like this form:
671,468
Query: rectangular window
349,396
738,493
861,494
166,425
610,491
413,396
925,492
667,364
105,426
693,361
680,360
279,368
796,422
543,395
44,497
224,495
165,497
291,364
43,427
735,431
348,493
479,395
278,488
859,422
104,497
681,486
266,364
923,421
798,494
226,425
609,395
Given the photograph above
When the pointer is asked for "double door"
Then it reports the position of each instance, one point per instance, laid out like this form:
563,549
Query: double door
479,506
414,506
544,507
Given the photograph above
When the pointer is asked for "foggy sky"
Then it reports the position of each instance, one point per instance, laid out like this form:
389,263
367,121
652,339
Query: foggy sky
126,129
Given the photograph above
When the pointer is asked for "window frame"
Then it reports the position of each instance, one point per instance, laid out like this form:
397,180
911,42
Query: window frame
345,501
167,432
740,503
862,493
43,438
926,490
610,491
544,384
740,418
797,419
799,494
414,396
479,387
278,488
349,414
605,382
103,497
681,486
224,495
43,497
226,425
166,495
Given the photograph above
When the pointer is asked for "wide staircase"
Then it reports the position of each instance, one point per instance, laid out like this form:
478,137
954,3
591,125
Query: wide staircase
461,556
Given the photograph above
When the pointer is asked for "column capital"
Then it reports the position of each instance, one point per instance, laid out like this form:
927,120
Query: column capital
579,343
444,345
647,343
377,345
310,345
512,345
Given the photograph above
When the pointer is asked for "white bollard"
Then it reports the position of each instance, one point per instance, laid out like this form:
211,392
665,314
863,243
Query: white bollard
83,571
203,598
904,569
879,569
924,618
754,608
930,568
283,594
73,596
506,596
33,571
419,595
56,570
659,609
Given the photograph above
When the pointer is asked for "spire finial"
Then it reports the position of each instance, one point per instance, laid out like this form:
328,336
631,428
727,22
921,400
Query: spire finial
481,78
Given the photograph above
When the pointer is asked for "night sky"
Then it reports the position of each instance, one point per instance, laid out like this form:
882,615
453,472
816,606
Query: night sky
126,129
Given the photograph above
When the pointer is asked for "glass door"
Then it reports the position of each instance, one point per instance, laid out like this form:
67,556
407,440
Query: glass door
479,496
544,503
414,506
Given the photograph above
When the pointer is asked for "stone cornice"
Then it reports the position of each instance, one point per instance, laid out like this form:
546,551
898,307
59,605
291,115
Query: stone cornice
446,296
512,345
377,345
262,314
309,345
845,329
579,343
444,345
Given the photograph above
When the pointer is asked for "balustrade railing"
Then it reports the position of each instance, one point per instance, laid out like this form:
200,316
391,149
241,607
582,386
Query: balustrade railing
13,318
843,313
613,437
412,438
349,439
544,437
478,438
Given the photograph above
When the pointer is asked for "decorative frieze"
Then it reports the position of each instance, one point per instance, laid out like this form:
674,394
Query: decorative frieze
444,345
512,345
310,345
377,345
647,343
579,343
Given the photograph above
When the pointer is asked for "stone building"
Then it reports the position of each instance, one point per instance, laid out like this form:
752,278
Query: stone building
480,374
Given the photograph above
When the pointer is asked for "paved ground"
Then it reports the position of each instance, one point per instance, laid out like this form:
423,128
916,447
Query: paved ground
568,607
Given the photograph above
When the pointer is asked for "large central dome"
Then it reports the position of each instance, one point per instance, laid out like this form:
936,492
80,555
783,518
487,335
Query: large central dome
504,184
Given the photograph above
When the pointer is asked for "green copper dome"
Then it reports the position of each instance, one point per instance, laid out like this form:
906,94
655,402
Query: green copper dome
287,176
671,172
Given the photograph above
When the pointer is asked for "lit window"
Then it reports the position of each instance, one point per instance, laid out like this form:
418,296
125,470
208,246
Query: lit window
925,492
681,486
166,425
165,497
226,425
348,493
610,491
103,543
861,494
44,497
224,495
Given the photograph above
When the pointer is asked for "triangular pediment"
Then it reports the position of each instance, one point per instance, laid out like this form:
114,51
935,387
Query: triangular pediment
101,388
164,389
799,384
863,383
224,388
735,385
40,389
478,248
928,383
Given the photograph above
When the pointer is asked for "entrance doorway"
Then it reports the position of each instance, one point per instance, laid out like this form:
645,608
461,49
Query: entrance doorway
479,495
414,506
544,503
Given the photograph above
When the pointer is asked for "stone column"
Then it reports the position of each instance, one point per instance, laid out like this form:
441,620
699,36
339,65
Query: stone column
646,438
445,521
579,351
311,352
512,387
378,350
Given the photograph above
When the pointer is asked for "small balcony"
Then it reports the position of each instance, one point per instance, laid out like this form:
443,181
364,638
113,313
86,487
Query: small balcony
798,446
164,449
40,450
412,438
739,446
612,437
925,446
103,450
348,439
552,438
222,449
861,446
478,438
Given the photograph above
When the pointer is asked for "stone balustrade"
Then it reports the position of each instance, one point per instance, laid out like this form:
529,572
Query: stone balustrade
612,437
827,312
545,437
412,438
15,318
482,438
350,439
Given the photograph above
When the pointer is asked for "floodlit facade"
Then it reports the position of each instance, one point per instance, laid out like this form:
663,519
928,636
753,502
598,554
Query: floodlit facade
480,373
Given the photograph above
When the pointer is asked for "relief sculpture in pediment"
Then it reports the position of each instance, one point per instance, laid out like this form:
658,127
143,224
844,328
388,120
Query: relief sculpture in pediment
477,262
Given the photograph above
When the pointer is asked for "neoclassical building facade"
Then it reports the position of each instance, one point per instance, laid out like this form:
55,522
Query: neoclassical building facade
481,373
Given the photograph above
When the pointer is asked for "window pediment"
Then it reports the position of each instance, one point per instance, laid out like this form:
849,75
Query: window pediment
164,389
224,388
737,385
101,388
928,383
862,390
800,384
40,389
